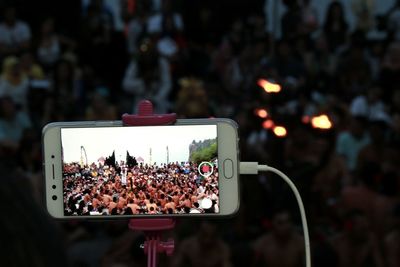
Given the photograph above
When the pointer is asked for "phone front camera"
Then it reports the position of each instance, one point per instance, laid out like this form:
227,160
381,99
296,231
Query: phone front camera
54,197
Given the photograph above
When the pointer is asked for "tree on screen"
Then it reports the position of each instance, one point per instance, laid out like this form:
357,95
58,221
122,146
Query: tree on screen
205,150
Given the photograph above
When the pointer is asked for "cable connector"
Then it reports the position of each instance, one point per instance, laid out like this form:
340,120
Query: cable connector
248,167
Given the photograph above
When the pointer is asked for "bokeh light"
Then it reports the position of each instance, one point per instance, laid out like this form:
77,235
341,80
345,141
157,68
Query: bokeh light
321,122
268,124
261,112
269,87
280,131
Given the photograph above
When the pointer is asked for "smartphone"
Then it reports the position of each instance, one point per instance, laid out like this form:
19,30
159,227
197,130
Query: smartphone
102,169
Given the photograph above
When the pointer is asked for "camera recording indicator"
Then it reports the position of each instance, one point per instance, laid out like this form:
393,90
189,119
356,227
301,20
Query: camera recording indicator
206,168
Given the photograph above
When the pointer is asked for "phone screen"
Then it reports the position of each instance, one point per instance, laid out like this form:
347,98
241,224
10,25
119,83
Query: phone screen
112,171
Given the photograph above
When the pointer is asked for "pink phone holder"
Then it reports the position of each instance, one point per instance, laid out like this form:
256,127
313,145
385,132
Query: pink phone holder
152,228
146,116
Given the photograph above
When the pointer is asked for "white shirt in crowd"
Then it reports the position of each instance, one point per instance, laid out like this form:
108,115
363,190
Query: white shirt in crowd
14,35
48,55
166,45
154,23
373,111
123,177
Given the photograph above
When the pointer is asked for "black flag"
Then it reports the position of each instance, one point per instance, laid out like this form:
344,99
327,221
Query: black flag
130,161
110,161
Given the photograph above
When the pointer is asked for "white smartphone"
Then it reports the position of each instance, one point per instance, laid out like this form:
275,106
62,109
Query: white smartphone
102,169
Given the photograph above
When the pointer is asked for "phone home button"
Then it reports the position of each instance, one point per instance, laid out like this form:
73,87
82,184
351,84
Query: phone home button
228,168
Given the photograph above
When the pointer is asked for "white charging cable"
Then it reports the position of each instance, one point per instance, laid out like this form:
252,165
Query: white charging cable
254,168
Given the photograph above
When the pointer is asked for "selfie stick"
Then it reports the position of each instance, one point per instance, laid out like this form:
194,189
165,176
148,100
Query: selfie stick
152,228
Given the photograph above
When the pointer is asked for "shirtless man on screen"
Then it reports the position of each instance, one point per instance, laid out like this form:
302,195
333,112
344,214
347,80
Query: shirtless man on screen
134,207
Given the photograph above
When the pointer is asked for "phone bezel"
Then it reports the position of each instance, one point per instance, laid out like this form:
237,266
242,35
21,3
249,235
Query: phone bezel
227,137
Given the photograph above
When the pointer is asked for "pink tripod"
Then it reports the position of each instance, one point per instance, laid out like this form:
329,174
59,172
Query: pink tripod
152,228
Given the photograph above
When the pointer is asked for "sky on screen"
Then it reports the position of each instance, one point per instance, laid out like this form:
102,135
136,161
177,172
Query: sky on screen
101,142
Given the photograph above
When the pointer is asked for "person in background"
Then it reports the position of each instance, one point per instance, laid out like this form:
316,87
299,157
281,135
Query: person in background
331,172
15,35
13,82
389,76
65,103
369,105
392,241
192,100
353,69
149,77
364,196
335,26
29,237
357,246
100,108
156,23
309,17
125,250
283,246
394,21
350,142
291,23
13,123
377,149
30,68
51,44
168,28
96,37
363,10
137,28
204,249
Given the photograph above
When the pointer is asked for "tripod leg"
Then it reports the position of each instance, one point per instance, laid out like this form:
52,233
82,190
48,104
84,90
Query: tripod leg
149,252
154,252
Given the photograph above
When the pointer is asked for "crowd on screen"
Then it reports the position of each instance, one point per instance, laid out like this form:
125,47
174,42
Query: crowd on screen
143,189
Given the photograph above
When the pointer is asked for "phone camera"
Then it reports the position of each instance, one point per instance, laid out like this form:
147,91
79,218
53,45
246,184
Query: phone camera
54,197
52,156
53,186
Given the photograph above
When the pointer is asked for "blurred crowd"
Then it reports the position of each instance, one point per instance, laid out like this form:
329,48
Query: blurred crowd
82,60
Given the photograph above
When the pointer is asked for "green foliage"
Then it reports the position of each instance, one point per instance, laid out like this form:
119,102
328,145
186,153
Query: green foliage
204,153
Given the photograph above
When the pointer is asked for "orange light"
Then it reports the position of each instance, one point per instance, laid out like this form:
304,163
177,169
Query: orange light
268,86
321,122
268,124
262,113
280,131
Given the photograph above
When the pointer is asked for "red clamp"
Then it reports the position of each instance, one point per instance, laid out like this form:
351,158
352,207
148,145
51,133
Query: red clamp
152,228
146,116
